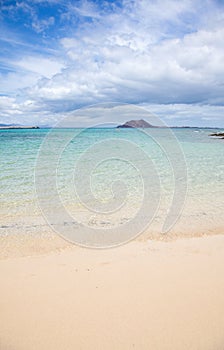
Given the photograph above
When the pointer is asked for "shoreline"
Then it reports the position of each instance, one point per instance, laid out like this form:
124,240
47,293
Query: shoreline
18,127
16,245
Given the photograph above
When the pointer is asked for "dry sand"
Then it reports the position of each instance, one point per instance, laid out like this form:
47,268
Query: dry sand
144,295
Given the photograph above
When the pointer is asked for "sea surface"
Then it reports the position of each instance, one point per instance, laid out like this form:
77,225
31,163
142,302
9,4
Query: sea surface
183,167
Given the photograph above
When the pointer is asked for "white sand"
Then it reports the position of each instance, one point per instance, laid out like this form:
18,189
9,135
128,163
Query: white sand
144,295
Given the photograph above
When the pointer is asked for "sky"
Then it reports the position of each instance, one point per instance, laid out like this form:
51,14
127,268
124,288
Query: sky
166,56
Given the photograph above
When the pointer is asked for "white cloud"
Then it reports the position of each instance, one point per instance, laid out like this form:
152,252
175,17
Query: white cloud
175,70
27,71
46,67
188,114
40,25
85,8
162,53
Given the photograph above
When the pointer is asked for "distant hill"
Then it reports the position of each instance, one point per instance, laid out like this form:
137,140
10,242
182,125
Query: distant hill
136,124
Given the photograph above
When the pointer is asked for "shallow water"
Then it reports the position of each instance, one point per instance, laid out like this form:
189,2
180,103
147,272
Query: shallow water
87,194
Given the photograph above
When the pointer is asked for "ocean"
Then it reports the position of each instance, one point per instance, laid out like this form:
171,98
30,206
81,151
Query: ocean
109,182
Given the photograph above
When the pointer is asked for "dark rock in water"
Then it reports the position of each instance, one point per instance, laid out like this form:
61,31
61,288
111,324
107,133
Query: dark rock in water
136,124
218,134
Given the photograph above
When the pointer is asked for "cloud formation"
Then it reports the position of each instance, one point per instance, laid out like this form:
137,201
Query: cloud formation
167,55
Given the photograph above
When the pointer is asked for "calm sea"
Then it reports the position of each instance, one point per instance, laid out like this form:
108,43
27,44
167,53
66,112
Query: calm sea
86,164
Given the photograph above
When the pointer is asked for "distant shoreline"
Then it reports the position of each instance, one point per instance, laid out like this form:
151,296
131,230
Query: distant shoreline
18,127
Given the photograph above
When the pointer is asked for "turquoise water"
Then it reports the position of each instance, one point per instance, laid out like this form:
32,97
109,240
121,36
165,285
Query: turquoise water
202,155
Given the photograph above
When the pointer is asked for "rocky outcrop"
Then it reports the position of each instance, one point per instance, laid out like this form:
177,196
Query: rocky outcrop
218,134
136,124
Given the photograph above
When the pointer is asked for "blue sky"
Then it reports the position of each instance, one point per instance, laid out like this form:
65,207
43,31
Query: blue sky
164,55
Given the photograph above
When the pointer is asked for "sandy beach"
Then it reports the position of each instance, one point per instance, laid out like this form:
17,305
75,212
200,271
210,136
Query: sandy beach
112,175
143,295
